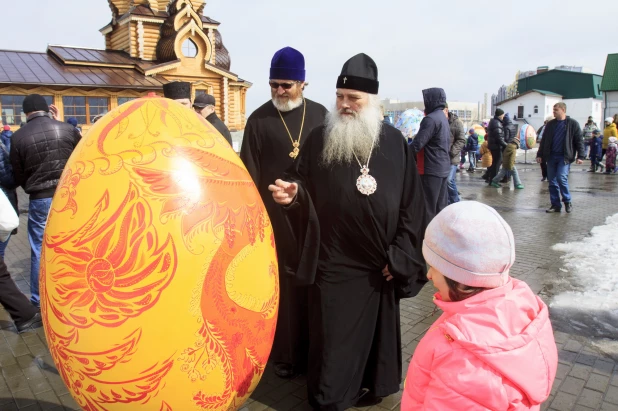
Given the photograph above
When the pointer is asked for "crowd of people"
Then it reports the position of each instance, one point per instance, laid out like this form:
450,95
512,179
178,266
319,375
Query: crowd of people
561,142
362,220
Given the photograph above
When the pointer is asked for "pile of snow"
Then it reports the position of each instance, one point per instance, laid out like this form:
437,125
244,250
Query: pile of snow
594,264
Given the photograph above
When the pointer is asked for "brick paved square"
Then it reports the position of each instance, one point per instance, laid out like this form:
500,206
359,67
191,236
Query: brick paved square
602,366
562,371
573,346
567,357
580,371
563,401
572,386
606,406
586,359
597,382
589,398
612,395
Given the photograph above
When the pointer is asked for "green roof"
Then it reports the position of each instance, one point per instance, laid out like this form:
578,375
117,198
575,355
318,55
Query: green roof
568,84
610,77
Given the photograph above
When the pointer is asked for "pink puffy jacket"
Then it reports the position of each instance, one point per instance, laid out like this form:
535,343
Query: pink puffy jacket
492,351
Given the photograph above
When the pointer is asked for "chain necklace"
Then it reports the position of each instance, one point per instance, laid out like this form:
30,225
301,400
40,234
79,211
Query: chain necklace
365,183
295,144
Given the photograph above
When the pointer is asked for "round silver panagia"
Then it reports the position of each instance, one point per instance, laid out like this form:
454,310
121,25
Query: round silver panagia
366,184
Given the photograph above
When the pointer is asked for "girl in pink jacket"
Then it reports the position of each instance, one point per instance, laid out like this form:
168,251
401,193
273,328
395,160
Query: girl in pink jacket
493,348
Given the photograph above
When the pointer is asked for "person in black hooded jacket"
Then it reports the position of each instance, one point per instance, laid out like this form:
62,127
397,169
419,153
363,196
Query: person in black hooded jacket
432,149
39,152
496,143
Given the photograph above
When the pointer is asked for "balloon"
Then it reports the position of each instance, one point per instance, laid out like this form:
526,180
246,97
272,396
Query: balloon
159,281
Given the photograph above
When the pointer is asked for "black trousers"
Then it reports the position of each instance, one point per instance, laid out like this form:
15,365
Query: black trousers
495,165
12,299
544,169
436,195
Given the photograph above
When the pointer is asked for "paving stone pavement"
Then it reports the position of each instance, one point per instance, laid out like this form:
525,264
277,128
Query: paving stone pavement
587,377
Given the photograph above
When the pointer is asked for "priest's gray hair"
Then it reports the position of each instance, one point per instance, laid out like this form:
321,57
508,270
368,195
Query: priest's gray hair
345,136
289,105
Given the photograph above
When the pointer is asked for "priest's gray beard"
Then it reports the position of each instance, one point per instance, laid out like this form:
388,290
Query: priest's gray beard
288,104
345,136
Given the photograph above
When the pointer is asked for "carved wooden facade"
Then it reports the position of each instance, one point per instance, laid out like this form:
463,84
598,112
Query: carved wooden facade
147,43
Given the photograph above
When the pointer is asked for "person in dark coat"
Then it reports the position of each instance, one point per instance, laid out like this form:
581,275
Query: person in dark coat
472,146
596,150
562,144
39,152
510,134
73,121
5,137
276,133
496,143
355,204
458,140
539,137
431,147
179,91
204,105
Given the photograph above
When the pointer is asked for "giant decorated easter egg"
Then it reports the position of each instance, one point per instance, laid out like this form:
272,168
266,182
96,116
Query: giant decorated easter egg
527,137
159,284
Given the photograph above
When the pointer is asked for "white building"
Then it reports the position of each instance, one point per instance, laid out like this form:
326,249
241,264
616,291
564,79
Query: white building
532,106
467,112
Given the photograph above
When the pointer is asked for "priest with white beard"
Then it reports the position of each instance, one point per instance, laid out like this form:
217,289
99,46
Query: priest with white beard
274,136
355,207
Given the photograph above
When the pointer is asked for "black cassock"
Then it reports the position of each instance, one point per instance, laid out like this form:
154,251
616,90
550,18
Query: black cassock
344,240
265,152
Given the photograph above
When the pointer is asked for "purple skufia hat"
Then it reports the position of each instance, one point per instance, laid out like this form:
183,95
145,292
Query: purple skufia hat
288,64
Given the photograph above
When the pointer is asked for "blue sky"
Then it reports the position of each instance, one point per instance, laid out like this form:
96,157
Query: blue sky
466,47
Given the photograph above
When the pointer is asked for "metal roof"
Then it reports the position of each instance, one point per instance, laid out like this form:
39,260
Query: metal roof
99,68
610,76
569,84
70,55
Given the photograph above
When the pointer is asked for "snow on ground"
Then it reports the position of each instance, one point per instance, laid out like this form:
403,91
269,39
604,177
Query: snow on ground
593,263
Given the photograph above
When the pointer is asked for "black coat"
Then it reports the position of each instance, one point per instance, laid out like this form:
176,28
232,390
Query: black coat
39,152
432,144
7,181
220,126
495,139
573,142
510,130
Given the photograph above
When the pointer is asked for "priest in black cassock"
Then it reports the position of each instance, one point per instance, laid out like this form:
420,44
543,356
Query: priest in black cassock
179,91
355,205
274,136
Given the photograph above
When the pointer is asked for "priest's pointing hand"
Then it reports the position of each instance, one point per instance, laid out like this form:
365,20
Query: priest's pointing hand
283,192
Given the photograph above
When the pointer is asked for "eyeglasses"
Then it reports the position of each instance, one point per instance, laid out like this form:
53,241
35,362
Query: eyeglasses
286,86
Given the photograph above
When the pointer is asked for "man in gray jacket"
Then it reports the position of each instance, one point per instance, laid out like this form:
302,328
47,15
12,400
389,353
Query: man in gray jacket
458,140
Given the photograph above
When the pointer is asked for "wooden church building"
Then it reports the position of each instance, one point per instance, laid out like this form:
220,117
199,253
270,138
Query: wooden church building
147,44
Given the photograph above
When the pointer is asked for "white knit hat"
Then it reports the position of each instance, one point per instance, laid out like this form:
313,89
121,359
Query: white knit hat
609,120
470,243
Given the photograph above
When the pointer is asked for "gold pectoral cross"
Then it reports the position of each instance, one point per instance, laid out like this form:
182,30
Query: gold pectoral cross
296,150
